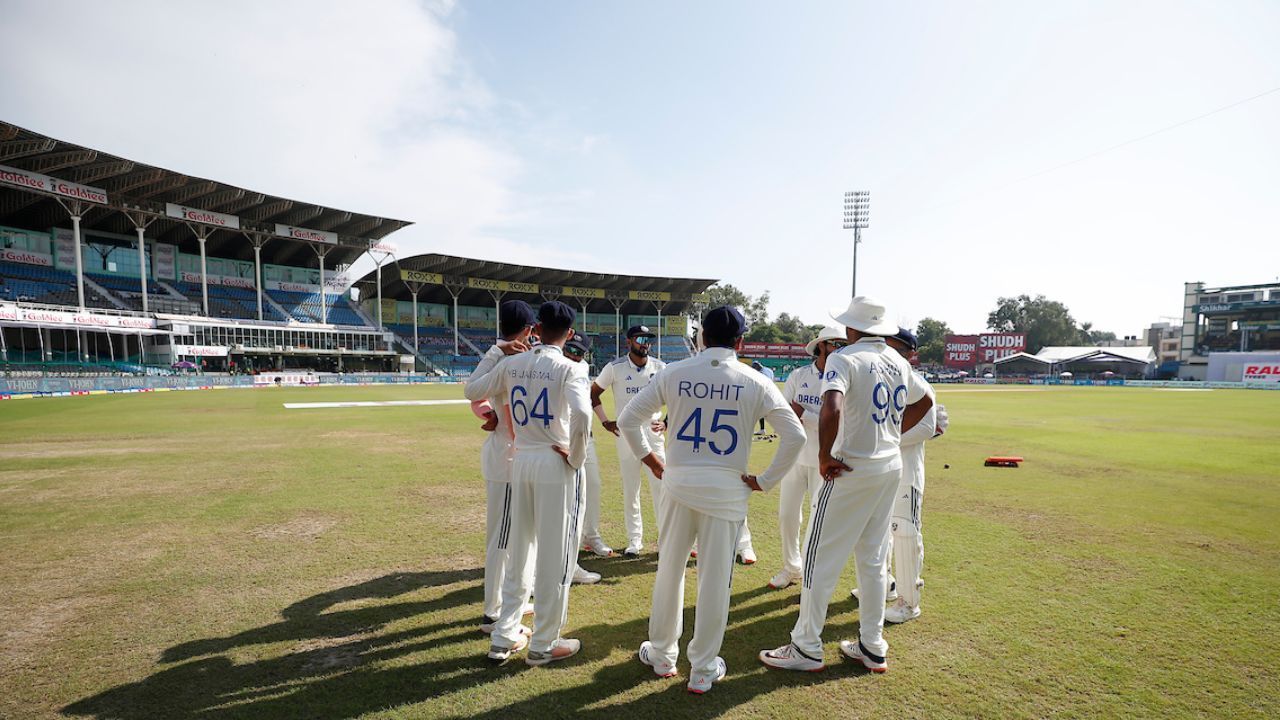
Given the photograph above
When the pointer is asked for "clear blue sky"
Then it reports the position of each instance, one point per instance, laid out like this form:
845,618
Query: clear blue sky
716,139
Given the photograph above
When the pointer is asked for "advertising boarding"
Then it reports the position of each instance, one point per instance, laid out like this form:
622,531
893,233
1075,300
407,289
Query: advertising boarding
964,352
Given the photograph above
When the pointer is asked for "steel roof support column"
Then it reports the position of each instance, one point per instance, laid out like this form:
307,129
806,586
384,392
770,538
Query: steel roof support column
659,306
259,241
378,263
455,289
617,303
321,251
202,234
140,222
415,288
497,309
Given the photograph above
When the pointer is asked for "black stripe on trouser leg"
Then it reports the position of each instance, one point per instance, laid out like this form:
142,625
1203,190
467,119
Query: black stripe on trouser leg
504,528
915,508
733,559
819,512
571,542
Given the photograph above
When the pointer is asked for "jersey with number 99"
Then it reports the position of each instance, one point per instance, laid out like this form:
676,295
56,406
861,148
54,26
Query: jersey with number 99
878,385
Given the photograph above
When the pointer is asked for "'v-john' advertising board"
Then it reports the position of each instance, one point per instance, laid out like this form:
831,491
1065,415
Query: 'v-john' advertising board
968,351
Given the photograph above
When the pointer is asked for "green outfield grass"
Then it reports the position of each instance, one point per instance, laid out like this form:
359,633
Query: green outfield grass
213,555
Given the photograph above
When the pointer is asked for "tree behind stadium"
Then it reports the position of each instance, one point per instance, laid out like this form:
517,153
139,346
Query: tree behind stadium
1046,322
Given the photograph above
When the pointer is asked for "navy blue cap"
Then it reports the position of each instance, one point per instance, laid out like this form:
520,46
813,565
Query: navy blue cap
636,331
514,316
555,315
724,322
908,337
579,342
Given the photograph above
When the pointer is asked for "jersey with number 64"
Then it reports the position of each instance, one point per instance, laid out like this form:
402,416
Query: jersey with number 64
878,385
550,399
713,403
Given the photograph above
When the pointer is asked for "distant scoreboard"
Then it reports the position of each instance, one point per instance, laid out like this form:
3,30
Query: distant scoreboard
968,351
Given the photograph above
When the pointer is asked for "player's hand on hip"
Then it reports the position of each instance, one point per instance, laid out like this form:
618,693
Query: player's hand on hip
658,427
562,453
831,467
490,422
751,482
655,464
611,426
942,421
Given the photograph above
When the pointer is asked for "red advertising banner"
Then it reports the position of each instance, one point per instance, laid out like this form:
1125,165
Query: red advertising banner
968,351
960,351
993,346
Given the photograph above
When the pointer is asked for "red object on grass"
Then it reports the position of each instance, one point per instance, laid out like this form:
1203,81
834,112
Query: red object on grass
1003,461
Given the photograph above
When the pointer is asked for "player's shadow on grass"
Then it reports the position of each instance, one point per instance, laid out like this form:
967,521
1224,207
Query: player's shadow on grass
344,663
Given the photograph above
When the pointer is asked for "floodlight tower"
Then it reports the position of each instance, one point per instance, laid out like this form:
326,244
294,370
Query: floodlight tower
857,215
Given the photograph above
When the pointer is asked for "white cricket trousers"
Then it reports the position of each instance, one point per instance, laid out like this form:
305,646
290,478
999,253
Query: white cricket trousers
679,527
591,513
546,510
906,544
632,470
496,469
799,480
850,515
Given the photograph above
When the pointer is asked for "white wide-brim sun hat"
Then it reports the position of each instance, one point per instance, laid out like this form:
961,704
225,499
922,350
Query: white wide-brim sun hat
830,332
866,315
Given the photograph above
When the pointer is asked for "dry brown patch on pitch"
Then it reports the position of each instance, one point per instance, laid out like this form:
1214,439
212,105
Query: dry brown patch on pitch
34,627
332,653
304,527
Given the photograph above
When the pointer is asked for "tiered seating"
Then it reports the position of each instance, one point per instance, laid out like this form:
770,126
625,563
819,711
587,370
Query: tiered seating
674,347
129,291
35,283
306,307
230,302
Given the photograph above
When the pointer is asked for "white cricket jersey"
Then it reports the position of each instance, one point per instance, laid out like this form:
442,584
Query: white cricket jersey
625,380
914,439
713,403
878,385
550,399
501,436
804,388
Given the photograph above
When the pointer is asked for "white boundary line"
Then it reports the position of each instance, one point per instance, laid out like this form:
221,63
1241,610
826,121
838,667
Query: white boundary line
367,404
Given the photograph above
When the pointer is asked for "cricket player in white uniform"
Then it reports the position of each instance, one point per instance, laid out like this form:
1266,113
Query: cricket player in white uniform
870,396
803,390
576,349
714,402
905,541
626,377
515,321
551,412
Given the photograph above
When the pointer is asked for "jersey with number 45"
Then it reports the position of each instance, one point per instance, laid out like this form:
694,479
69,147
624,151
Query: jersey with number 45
713,402
550,399
878,385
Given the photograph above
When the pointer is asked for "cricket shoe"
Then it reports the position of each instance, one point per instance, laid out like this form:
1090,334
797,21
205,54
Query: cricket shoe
486,624
700,682
560,650
747,556
499,654
598,547
661,669
783,579
789,657
585,577
634,548
854,650
889,597
900,612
